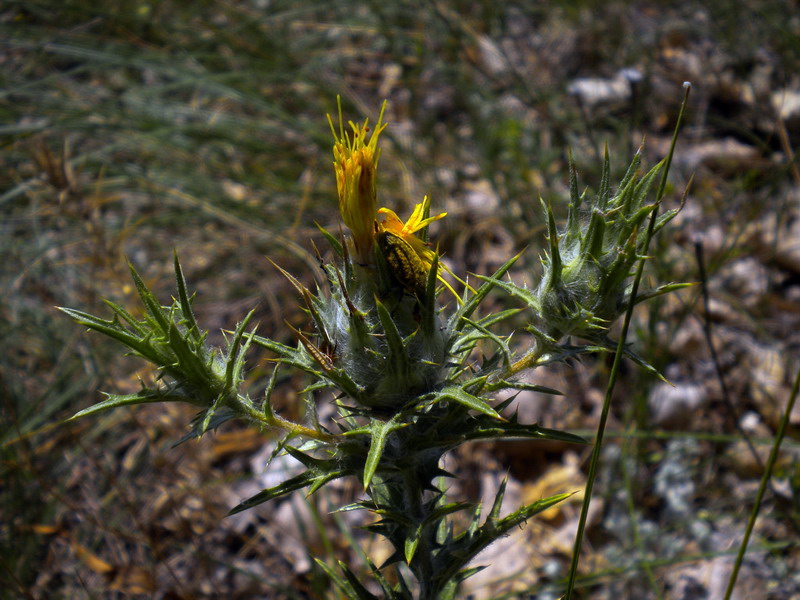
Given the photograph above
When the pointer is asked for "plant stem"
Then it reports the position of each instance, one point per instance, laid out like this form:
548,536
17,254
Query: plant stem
612,380
773,456
246,408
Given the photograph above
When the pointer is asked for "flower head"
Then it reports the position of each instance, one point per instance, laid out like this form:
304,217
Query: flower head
393,223
417,221
356,165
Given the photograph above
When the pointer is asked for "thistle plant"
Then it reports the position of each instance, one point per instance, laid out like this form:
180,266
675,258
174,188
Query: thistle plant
587,275
412,366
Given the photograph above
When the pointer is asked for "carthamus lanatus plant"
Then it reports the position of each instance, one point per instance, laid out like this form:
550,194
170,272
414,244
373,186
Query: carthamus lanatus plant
415,367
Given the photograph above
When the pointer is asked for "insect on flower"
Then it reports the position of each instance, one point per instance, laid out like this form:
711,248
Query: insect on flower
404,263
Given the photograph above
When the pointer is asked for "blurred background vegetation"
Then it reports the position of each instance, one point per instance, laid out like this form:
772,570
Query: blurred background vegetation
133,128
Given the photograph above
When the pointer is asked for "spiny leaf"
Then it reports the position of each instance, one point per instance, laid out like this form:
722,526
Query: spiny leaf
466,546
495,338
467,573
146,396
221,416
281,350
592,242
468,307
633,168
134,323
604,193
529,510
209,413
140,345
150,302
552,237
412,542
573,217
438,513
186,305
335,244
295,483
456,394
502,384
188,364
663,289
384,583
398,357
322,480
380,432
268,411
429,300
235,360
502,315
309,302
361,593
311,462
526,295
359,330
337,579
494,514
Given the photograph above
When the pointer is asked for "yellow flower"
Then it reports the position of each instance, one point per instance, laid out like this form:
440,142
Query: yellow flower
417,221
356,165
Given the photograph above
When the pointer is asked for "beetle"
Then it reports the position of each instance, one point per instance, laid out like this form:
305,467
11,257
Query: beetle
404,263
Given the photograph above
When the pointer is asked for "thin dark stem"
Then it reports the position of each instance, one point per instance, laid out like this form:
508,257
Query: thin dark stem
726,397
773,456
612,380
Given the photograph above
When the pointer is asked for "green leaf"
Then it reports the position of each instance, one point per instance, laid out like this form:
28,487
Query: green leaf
223,415
495,338
384,583
502,384
114,330
295,483
438,513
146,396
412,542
429,301
134,323
552,236
190,364
398,357
209,414
337,579
185,302
493,318
380,432
663,289
529,510
466,546
281,350
150,302
573,219
322,480
234,362
494,514
273,379
456,394
493,430
361,593
467,573
335,244
466,309
529,297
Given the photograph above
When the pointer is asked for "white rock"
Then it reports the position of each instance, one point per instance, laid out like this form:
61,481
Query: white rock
675,407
